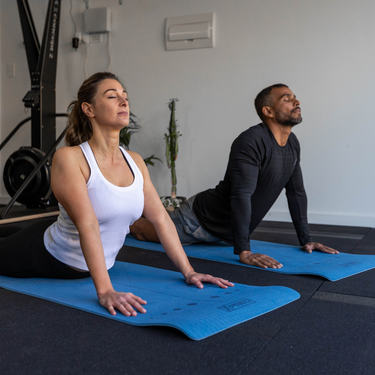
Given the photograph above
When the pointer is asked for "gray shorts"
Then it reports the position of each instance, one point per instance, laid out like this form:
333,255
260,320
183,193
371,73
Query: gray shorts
188,227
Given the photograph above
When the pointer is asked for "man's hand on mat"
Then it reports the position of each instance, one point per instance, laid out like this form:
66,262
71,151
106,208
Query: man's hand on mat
259,260
123,302
197,279
310,246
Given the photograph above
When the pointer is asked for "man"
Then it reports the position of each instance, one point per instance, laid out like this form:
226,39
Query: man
263,161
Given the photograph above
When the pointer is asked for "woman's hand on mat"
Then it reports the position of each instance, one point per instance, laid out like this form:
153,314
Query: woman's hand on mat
259,260
310,246
197,279
123,302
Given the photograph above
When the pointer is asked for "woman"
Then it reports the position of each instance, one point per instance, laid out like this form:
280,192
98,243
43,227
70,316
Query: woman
101,189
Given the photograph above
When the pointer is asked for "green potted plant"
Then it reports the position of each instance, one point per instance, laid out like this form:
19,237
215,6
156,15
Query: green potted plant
171,151
128,131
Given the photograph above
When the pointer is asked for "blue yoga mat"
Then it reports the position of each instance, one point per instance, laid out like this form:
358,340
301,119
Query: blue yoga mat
295,261
198,313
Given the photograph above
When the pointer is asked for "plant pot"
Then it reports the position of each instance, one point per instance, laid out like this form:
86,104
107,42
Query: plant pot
171,203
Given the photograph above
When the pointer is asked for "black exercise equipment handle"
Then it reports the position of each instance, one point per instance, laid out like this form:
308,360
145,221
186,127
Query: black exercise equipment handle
18,127
14,131
31,175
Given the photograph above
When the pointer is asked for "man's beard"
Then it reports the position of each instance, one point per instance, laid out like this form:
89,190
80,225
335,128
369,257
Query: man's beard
285,120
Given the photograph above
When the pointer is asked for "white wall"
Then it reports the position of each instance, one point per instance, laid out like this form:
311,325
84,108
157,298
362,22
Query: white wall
322,49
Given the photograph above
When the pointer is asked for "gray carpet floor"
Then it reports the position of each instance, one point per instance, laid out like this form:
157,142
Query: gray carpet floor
329,330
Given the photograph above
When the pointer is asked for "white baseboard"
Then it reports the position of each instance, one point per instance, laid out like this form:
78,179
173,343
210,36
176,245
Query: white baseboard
326,219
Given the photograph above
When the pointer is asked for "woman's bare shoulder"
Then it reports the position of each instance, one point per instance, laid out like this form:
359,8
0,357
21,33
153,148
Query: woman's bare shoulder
139,161
70,157
68,153
136,157
68,150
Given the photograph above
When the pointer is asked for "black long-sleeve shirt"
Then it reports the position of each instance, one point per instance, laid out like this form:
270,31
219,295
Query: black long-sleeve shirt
258,170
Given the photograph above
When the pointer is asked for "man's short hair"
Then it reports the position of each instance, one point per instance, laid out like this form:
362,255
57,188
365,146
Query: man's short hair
264,99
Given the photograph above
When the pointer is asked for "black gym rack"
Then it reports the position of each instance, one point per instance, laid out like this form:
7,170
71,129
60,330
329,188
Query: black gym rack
27,176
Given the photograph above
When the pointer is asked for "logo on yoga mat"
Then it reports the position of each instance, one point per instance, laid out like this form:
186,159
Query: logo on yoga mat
349,264
237,304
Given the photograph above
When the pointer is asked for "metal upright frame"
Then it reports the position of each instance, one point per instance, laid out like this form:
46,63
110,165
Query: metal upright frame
42,62
41,98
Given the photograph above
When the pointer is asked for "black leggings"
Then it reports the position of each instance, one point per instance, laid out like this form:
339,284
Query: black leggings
23,254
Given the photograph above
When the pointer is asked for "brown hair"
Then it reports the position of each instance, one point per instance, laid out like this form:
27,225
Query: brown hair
79,127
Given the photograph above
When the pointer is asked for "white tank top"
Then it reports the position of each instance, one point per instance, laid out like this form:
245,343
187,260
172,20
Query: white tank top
116,208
